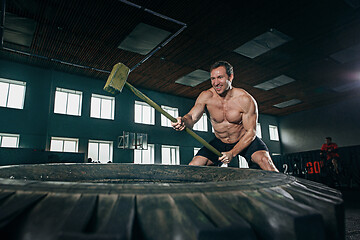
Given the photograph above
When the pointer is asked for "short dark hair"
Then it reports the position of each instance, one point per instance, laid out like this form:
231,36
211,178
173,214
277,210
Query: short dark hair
228,67
328,138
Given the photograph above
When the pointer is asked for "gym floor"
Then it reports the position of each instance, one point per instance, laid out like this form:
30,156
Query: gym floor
352,213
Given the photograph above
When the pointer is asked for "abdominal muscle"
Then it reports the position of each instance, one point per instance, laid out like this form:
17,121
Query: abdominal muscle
228,132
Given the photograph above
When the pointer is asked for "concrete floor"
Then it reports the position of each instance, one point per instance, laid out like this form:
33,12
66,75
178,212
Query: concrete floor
352,213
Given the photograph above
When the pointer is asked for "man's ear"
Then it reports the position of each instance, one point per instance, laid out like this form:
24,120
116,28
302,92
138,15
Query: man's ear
231,77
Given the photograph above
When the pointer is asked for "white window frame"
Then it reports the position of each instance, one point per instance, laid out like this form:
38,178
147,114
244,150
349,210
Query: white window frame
196,149
64,140
9,98
68,93
8,135
97,158
258,130
98,112
274,134
242,162
139,108
174,158
202,124
165,122
139,155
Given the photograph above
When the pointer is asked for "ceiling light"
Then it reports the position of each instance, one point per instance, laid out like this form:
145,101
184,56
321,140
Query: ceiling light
19,30
347,55
263,43
194,78
143,39
353,3
288,103
275,82
347,87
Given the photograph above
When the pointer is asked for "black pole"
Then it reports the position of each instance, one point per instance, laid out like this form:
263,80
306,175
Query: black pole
2,28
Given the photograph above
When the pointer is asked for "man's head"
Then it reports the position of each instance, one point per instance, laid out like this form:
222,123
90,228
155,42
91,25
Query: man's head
328,140
221,75
226,65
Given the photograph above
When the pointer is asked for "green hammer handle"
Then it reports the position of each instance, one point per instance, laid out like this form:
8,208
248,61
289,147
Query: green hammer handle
171,118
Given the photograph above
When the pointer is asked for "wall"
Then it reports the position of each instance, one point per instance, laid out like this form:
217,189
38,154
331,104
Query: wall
37,123
266,120
307,130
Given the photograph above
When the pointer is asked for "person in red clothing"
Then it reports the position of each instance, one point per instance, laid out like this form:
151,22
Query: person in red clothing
329,152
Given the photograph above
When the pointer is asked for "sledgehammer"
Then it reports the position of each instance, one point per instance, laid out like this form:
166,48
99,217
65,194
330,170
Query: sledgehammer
117,80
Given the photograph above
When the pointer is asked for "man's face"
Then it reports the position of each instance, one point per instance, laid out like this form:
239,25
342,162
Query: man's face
220,81
327,141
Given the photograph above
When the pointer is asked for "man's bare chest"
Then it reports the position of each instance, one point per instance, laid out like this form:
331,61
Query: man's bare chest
226,111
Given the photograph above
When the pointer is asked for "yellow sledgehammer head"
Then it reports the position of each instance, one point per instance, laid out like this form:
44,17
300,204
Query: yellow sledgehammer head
117,78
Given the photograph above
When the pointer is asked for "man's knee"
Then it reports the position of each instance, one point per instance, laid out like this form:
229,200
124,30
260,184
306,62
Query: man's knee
198,161
263,159
193,163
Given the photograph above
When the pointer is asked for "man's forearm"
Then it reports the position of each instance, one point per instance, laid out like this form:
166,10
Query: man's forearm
243,143
188,121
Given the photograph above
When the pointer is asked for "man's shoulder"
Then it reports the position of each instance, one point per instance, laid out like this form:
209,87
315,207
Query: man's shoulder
241,91
243,95
206,94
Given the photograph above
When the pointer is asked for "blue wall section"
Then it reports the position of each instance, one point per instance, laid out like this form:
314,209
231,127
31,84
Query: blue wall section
37,123
305,131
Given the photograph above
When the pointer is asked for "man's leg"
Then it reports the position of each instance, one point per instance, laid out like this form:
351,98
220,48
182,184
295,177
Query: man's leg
334,162
263,159
201,161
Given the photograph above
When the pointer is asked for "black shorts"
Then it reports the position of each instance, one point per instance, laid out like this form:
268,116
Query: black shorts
254,146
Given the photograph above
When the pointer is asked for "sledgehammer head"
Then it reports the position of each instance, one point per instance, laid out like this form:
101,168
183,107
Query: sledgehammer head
117,78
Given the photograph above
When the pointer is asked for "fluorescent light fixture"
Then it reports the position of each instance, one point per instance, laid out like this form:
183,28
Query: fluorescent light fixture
275,82
347,87
347,55
263,43
19,30
194,78
353,3
288,103
143,39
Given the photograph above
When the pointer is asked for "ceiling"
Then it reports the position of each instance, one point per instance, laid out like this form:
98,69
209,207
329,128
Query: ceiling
82,37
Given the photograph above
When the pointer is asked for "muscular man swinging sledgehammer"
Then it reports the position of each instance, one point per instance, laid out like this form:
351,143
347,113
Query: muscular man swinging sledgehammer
233,114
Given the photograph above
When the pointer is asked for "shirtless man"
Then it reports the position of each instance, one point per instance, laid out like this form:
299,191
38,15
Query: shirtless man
233,114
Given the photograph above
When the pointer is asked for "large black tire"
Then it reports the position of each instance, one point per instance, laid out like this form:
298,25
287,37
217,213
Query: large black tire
127,201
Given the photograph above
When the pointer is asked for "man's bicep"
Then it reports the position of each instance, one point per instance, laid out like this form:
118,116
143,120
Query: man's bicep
250,116
249,121
199,107
197,111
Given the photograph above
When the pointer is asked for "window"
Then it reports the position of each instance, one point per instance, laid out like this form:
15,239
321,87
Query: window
12,93
102,107
64,144
258,130
165,122
242,162
68,102
100,151
196,150
145,156
144,113
9,140
274,135
170,155
201,125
